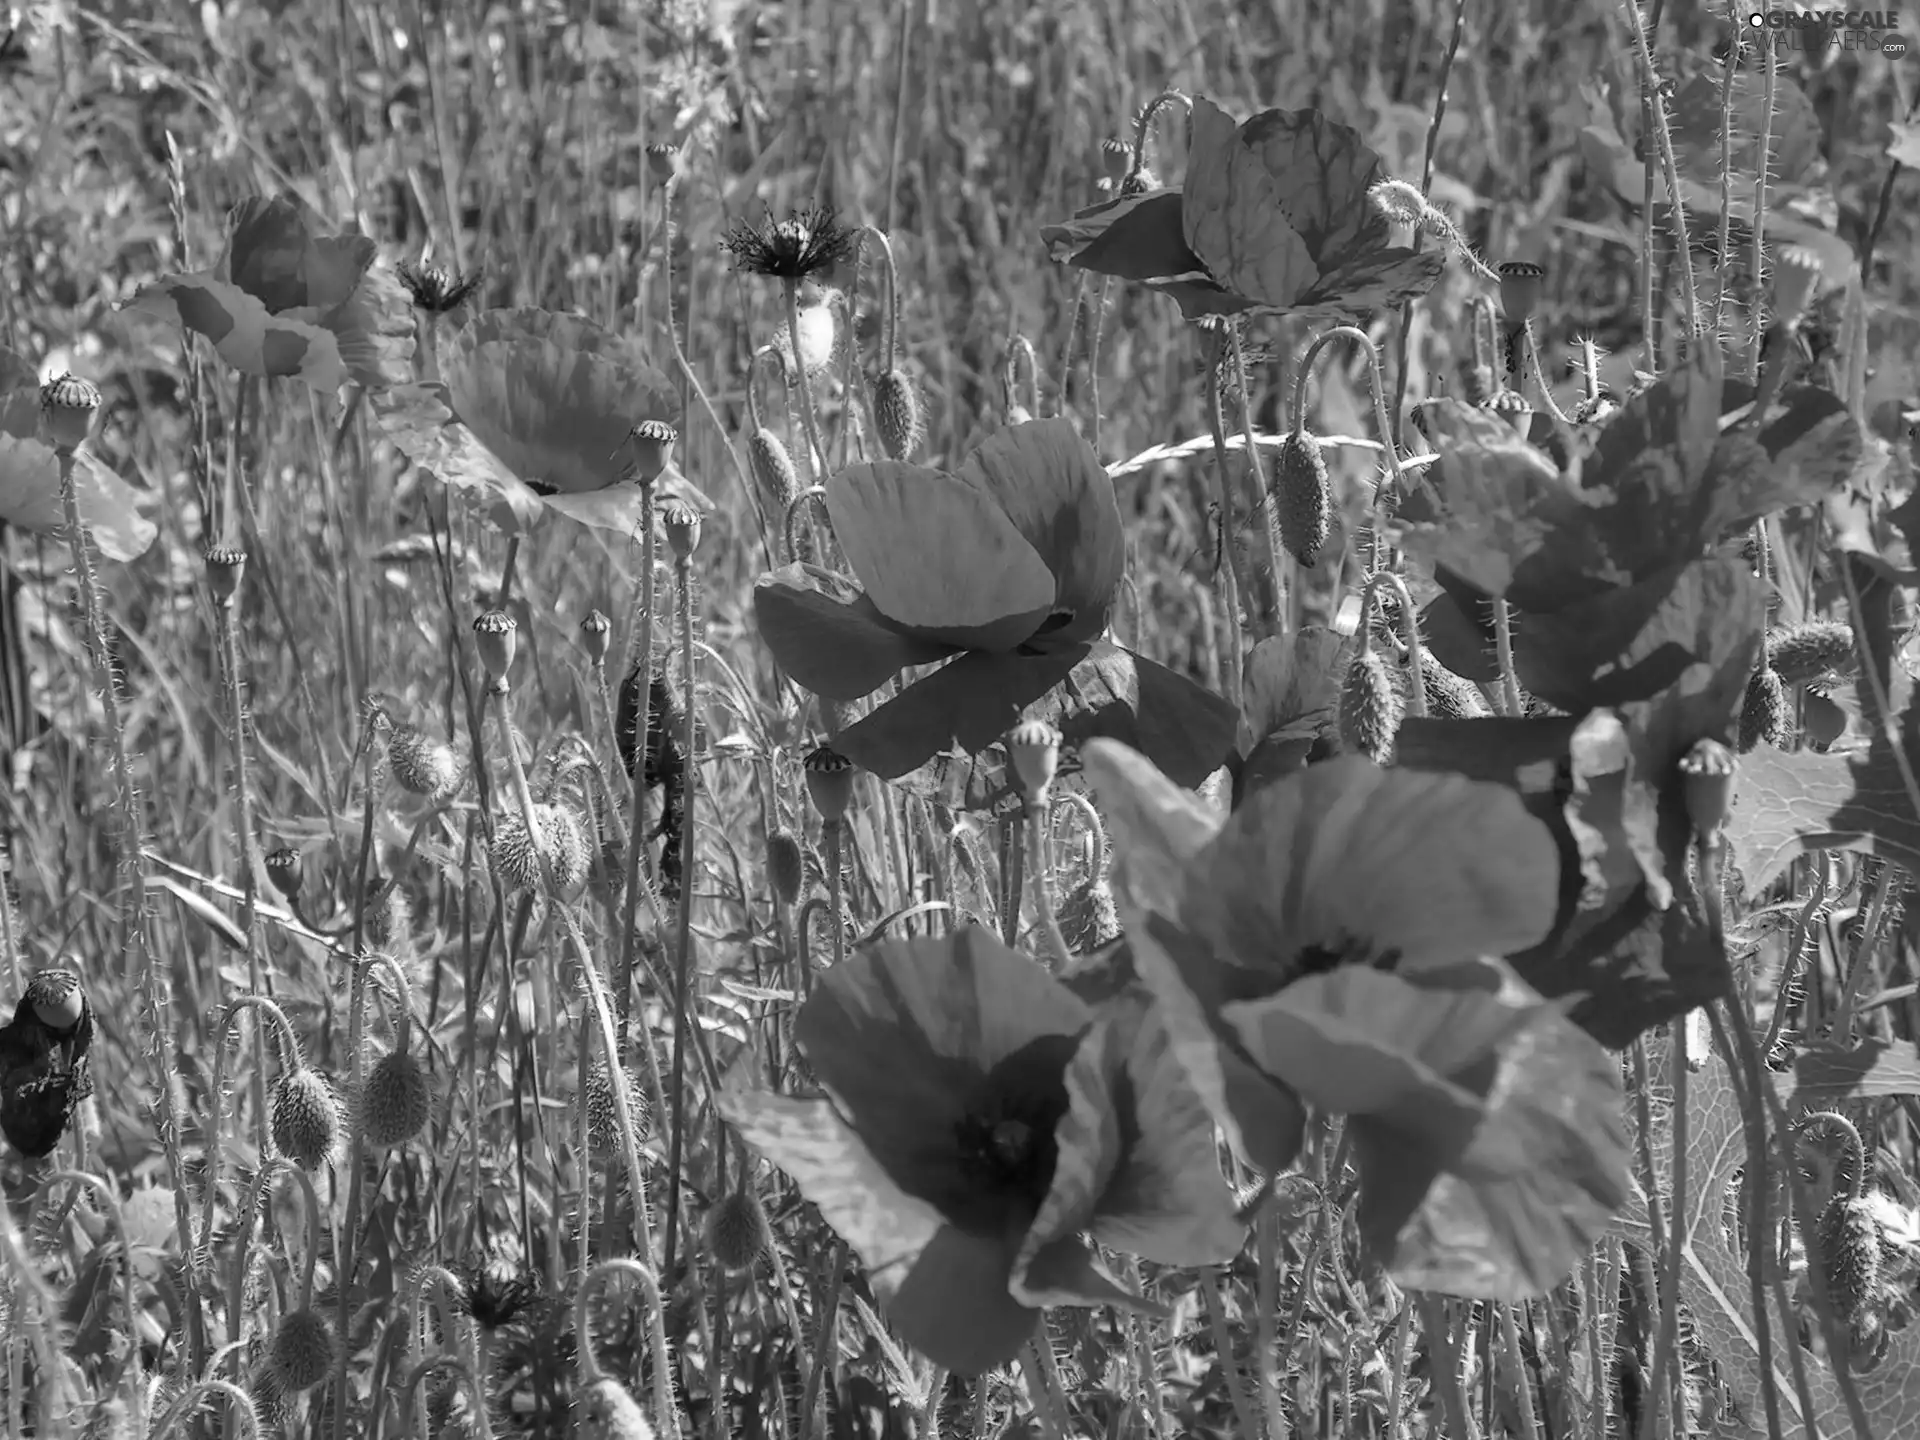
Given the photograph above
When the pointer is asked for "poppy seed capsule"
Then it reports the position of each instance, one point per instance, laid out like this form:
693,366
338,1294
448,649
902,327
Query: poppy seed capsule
68,405
305,1123
896,414
1511,406
596,636
1369,707
495,636
1303,497
608,1412
1706,780
1521,282
681,523
1764,713
397,1101
283,871
1116,158
773,470
649,443
1822,721
1802,652
225,567
1795,274
786,868
737,1230
829,782
1034,748
302,1351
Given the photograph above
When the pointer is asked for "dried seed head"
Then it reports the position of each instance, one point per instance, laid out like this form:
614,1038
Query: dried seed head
647,447
681,523
421,764
829,782
1400,202
57,999
786,868
1804,652
803,246
283,870
434,288
773,471
1303,497
737,1231
1795,274
226,565
1706,779
1089,916
396,1102
306,1118
896,414
1369,707
608,1412
603,1116
1511,406
1822,720
1764,714
596,636
302,1352
1116,158
495,635
68,406
1521,282
1033,746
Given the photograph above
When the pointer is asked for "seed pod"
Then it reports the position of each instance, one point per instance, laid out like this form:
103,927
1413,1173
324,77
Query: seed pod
1802,652
829,782
1449,696
786,868
607,1412
1034,748
306,1118
681,523
302,1352
1511,406
896,414
283,871
1822,721
647,447
494,635
567,834
423,765
397,1101
773,471
596,636
737,1231
1764,714
1089,916
1706,778
1303,497
68,406
1369,707
1521,282
225,567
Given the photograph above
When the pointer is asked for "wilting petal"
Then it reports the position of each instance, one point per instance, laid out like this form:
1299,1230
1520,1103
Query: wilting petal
1051,485
374,329
417,419
1321,173
939,556
111,509
840,650
1236,214
905,1032
243,332
1137,238
275,254
1373,280
1156,826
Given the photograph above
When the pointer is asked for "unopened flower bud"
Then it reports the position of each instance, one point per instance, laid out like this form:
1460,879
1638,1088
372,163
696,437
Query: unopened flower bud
1034,748
681,522
596,636
663,163
1303,496
896,414
68,405
1706,777
1521,282
829,782
1399,202
225,567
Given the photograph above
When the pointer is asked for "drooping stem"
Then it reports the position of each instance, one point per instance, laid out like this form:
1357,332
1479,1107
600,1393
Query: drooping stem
1257,472
665,1417
890,314
1409,635
1386,496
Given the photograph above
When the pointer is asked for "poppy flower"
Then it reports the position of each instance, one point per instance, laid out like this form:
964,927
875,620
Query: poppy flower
538,411
43,1062
286,300
1336,943
30,475
980,1121
1275,215
1008,568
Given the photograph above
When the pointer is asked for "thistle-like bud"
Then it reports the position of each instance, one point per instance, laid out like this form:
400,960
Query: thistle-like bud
737,1232
396,1102
773,471
283,871
603,1115
1116,158
496,636
1511,406
1400,202
1706,785
302,1351
1370,707
386,920
1450,696
1850,1256
1822,721
648,445
1803,652
1033,746
786,868
226,565
829,782
305,1123
1138,181
608,1412
557,838
681,524
1521,282
896,414
422,765
1303,496
596,636
1764,714
68,406
1795,274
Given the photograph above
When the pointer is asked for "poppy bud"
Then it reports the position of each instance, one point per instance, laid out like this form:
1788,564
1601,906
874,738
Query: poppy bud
1116,158
682,525
225,567
663,163
1521,282
1850,1256
1303,496
1511,406
786,869
302,1351
422,765
648,444
1763,714
737,1230
1399,202
608,1412
773,471
1449,696
1795,274
829,782
603,1115
1034,748
68,405
305,1122
896,414
1822,721
283,871
596,636
1369,707
1089,917
1801,652
397,1101
495,636
1706,778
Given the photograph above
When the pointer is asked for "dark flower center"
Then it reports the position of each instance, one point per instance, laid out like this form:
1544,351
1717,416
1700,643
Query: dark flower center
1005,1139
1342,950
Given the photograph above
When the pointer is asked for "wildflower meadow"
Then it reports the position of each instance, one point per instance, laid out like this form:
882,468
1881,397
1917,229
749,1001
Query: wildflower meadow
846,719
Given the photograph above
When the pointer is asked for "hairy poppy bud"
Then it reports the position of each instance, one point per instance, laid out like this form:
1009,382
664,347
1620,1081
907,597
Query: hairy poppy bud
387,917
829,782
1089,916
397,1101
422,765
737,1230
1706,779
1399,202
1802,652
773,471
647,446
1521,282
1850,1257
1303,497
305,1123
68,406
1764,714
1034,748
1795,274
225,566
495,635
1511,406
596,636
786,868
681,522
896,414
283,871
603,1114
608,1412
302,1351
1369,707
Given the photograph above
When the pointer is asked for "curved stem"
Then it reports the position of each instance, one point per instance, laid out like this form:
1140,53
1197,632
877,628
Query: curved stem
477,1397
664,1416
1228,576
1269,517
640,653
1387,497
890,315
1040,868
798,503
1409,634
197,1395
1143,128
287,1052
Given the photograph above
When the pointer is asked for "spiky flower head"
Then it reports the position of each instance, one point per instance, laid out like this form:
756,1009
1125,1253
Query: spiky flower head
896,414
596,636
496,636
434,288
1370,707
1303,496
1521,282
786,869
1706,778
283,870
226,564
681,522
302,1352
68,405
305,1122
421,764
1804,652
806,244
396,1101
1033,746
1764,714
497,1291
829,782
649,444
736,1230
603,1114
773,471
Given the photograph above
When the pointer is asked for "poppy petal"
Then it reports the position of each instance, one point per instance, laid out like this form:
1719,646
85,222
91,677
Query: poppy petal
374,329
421,425
111,509
1051,485
1066,1272
1293,683
1428,867
243,332
1321,172
1156,826
840,650
904,1032
275,254
1233,212
1137,238
1373,280
956,1307
937,554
